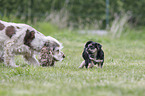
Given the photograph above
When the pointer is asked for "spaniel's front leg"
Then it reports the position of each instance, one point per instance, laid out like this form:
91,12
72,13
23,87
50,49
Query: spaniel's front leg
32,59
1,55
8,55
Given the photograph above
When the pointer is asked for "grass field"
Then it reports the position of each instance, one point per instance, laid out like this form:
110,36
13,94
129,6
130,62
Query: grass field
123,73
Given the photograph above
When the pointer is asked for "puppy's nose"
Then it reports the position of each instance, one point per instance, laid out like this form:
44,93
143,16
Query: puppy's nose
63,56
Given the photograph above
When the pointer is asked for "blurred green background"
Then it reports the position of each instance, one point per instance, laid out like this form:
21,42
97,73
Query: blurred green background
74,13
116,24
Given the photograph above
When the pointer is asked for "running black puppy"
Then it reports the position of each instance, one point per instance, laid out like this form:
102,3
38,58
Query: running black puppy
92,55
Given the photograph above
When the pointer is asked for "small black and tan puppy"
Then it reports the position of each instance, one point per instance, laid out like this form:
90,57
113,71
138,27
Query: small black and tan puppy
92,55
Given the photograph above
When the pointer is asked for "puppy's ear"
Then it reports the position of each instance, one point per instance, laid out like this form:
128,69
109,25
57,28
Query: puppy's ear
98,46
88,43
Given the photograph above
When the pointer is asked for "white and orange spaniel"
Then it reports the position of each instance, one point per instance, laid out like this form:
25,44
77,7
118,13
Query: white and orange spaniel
22,39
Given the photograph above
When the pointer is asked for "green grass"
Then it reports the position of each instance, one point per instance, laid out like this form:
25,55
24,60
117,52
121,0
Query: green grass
123,73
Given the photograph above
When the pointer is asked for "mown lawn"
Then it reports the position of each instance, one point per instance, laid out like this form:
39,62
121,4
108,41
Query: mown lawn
123,73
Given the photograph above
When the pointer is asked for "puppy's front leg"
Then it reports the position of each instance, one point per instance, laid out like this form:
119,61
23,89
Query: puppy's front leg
91,65
82,64
99,65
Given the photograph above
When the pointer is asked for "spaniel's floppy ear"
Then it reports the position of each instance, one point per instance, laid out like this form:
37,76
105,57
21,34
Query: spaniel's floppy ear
98,46
88,43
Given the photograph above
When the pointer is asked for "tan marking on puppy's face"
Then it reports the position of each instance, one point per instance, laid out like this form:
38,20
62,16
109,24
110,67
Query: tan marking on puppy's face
2,26
10,30
92,48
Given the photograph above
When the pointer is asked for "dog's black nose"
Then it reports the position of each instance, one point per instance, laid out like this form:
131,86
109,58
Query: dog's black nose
63,56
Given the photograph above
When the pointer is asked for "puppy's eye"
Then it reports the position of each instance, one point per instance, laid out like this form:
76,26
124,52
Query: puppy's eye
91,46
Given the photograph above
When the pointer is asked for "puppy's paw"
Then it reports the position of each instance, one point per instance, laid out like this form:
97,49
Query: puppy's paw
90,65
80,67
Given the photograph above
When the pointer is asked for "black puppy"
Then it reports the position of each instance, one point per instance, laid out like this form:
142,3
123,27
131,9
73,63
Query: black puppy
92,55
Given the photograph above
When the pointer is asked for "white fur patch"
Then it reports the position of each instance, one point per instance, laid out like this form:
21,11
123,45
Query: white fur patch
9,47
